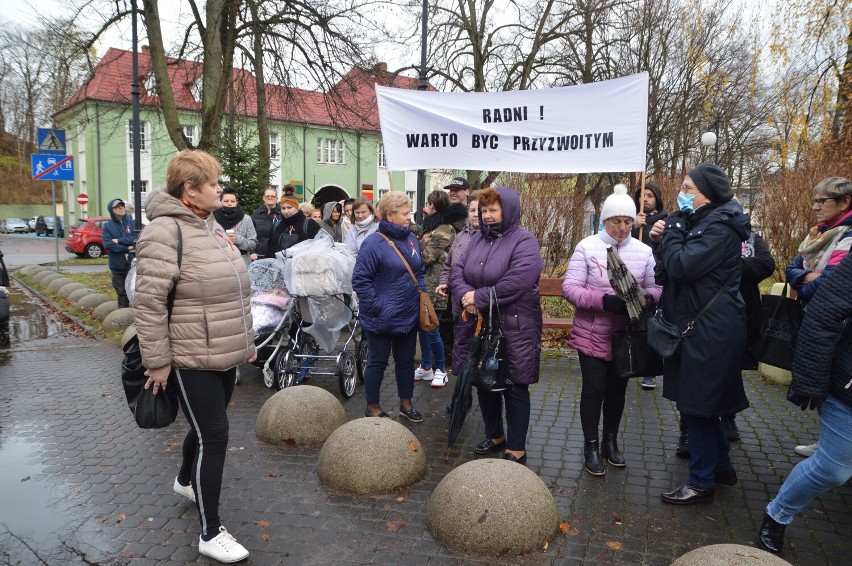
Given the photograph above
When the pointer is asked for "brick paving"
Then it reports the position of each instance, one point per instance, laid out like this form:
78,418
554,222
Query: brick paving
62,397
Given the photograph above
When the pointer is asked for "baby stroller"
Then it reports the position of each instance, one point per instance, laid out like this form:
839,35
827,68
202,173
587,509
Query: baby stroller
271,310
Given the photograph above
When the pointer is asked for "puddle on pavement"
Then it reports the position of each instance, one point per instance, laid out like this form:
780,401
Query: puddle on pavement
38,523
30,321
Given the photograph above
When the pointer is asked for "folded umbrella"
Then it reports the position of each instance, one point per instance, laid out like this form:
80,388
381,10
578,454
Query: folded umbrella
625,285
463,391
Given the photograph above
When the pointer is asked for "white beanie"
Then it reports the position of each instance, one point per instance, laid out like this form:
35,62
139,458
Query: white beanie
618,204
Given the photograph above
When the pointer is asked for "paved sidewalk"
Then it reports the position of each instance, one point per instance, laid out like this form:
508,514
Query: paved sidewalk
62,408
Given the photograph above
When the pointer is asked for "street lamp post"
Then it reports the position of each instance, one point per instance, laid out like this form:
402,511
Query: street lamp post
134,93
422,84
712,138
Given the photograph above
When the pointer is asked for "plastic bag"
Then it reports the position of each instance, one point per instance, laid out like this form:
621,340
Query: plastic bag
318,267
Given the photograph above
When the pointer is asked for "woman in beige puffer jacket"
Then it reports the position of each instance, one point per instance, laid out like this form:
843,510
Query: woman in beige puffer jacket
209,333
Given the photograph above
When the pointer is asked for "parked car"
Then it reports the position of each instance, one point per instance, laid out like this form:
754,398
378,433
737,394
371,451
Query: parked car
32,222
84,238
14,226
44,226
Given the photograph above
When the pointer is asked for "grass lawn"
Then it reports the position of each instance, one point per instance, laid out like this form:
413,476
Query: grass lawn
85,261
100,281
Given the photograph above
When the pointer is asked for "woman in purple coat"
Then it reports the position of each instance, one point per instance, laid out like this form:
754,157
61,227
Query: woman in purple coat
506,257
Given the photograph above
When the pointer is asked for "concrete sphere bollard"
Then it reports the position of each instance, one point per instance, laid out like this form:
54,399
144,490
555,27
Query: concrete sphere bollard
118,319
129,333
89,302
75,296
30,270
66,290
729,555
44,277
101,311
370,456
55,285
302,415
491,507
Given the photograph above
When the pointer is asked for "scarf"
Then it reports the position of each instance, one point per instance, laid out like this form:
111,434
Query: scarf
362,226
821,240
228,217
200,212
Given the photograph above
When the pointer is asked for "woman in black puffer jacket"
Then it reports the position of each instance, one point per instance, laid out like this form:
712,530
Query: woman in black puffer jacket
822,375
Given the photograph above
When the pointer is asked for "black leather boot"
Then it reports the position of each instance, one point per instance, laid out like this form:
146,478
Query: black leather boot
591,452
683,442
611,452
771,536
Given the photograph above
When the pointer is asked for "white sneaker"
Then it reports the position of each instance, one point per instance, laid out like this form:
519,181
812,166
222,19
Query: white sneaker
185,490
421,374
806,450
223,547
440,378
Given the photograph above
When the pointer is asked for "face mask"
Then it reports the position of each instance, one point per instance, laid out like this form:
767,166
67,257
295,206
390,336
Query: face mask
685,202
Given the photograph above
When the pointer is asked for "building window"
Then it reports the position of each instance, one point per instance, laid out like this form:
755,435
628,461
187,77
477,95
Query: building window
189,132
412,196
195,89
150,84
144,185
331,151
381,155
143,143
381,193
273,145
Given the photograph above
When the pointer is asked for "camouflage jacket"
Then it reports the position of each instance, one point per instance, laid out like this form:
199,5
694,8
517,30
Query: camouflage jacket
434,254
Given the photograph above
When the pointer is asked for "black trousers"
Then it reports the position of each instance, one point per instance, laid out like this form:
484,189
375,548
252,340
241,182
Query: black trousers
204,396
602,389
517,415
118,279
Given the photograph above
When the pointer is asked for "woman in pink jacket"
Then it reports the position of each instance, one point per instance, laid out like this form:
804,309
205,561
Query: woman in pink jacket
599,313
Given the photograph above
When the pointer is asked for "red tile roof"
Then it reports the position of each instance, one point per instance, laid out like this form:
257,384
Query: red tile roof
351,103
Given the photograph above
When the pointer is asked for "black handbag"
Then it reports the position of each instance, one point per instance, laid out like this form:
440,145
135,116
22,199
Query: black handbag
149,410
665,337
632,356
492,367
780,318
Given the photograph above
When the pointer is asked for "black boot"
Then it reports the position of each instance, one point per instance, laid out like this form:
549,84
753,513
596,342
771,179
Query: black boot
771,536
731,429
611,452
683,442
593,458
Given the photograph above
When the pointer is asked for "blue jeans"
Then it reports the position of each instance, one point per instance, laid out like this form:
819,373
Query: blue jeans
709,449
432,350
379,347
830,466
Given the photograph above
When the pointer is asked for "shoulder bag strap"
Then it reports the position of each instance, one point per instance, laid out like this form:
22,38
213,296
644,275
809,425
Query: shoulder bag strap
170,301
710,302
396,249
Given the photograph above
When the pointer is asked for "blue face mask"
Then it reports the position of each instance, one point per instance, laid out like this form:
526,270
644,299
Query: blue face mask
685,202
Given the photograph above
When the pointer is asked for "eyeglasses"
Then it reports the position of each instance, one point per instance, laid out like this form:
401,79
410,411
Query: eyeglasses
269,196
822,201
687,188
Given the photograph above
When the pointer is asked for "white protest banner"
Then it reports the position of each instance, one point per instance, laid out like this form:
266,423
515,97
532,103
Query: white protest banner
598,127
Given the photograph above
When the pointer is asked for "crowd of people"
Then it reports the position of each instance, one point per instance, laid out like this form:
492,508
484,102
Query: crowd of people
697,266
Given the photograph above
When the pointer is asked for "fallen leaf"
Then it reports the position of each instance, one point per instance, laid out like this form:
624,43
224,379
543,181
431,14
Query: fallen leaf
262,524
120,517
271,474
264,537
127,554
316,514
400,499
412,445
546,544
232,404
103,520
616,519
614,545
289,442
394,526
483,517
236,448
564,527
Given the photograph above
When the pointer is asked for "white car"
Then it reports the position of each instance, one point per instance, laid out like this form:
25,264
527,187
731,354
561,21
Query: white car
14,226
31,223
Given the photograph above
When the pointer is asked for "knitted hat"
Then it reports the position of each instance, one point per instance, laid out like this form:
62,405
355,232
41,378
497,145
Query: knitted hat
289,200
712,181
618,203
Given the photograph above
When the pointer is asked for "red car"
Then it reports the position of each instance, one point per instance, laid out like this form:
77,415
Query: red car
84,238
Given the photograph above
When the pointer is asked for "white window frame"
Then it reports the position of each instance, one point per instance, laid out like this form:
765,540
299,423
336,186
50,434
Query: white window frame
273,145
143,141
144,183
150,84
331,151
189,132
380,156
381,193
196,88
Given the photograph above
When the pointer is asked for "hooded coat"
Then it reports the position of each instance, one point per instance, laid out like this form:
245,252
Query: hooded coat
211,324
290,231
507,257
651,218
334,230
700,253
122,230
443,226
388,298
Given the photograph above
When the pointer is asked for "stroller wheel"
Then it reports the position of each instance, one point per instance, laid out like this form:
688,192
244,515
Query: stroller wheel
284,374
361,358
346,372
269,371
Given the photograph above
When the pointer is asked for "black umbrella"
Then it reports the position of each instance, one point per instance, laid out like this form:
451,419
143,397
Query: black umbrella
463,391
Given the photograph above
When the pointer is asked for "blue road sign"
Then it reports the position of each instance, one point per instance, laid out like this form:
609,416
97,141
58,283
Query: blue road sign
51,142
53,167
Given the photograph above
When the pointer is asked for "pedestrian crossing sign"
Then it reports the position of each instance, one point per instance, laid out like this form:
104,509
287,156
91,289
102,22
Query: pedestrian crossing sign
51,142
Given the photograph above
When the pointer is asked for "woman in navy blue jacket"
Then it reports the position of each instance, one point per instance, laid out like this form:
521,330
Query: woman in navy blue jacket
389,302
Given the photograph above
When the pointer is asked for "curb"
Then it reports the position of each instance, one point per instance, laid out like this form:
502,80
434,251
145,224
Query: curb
69,318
